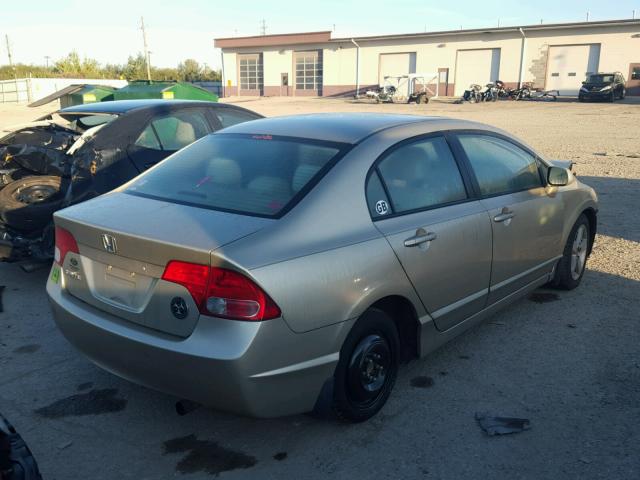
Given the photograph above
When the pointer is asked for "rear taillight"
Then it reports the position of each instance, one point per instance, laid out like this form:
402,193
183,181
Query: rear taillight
222,293
65,243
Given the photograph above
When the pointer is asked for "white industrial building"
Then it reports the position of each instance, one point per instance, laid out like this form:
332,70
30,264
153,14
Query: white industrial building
551,56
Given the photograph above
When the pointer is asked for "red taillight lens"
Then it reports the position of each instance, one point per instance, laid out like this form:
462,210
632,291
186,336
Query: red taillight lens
192,276
64,243
222,293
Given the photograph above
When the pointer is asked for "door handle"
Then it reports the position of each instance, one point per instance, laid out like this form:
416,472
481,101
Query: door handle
505,215
419,238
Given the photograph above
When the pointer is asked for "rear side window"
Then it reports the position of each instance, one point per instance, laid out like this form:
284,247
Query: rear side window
377,198
175,131
230,116
500,166
251,174
419,175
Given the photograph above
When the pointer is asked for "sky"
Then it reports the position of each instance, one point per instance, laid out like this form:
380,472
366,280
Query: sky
109,31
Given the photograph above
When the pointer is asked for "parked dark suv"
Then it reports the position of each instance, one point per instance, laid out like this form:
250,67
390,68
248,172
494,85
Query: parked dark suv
603,86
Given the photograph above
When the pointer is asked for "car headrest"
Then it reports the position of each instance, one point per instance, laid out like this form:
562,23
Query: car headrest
185,134
224,171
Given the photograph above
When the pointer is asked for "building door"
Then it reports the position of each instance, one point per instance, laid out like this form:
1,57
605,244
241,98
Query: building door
443,82
633,82
308,73
394,65
284,84
569,65
250,74
476,66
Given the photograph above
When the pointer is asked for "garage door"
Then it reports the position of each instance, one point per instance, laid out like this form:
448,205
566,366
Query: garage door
393,64
569,65
476,66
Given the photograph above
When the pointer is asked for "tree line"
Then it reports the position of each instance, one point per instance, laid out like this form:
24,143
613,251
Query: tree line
72,66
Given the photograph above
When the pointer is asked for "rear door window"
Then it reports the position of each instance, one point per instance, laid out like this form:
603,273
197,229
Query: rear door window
500,166
175,131
416,176
251,174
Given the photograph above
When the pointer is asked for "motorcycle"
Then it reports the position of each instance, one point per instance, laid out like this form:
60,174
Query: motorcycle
503,91
524,92
491,93
473,94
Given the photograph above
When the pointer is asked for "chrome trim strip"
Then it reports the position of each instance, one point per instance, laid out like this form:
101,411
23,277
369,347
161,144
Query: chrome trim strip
314,362
460,303
506,282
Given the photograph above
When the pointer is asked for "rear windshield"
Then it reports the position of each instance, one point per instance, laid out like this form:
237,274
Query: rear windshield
600,78
249,174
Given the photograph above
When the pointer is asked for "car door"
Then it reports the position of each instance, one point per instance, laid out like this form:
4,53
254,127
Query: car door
526,216
418,198
165,134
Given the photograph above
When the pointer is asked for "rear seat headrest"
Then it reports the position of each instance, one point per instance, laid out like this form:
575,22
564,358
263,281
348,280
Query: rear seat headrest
224,171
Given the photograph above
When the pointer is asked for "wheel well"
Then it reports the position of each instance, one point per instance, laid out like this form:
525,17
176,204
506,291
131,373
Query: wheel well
405,317
590,213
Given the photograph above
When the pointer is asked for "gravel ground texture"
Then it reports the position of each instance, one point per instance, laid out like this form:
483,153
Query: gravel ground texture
569,362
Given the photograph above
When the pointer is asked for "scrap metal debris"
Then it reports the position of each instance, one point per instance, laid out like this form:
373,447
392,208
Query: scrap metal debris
493,425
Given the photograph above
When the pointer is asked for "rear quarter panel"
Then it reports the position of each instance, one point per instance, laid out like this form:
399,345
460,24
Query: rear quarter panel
333,286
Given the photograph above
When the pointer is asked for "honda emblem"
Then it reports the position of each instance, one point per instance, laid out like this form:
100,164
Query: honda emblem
109,243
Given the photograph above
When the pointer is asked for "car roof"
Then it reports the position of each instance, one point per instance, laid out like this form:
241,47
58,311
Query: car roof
124,106
342,127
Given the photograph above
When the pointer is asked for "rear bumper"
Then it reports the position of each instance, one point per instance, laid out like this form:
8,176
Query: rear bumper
260,369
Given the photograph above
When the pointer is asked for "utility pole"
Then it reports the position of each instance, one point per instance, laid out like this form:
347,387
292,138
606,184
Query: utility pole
588,15
15,75
146,49
6,37
263,27
46,58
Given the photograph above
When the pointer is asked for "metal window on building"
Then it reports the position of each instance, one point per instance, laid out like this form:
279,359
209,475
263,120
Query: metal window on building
250,72
308,71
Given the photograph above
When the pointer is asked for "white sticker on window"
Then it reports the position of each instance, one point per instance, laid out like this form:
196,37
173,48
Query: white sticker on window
381,207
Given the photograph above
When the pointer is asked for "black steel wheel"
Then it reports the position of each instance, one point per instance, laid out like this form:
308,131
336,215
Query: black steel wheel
368,367
28,204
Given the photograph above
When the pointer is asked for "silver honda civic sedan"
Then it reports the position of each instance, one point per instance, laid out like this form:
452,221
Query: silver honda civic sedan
291,264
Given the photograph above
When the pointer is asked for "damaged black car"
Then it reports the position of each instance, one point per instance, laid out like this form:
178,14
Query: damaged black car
80,152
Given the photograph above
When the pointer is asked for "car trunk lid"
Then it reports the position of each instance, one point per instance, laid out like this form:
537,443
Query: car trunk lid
125,245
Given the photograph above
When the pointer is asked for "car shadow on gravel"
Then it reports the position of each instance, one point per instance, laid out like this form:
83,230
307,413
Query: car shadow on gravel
619,203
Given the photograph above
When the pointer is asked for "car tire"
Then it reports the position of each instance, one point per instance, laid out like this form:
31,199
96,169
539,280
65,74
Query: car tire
572,265
368,367
16,460
28,204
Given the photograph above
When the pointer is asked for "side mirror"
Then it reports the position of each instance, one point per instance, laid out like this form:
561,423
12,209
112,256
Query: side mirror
584,83
557,177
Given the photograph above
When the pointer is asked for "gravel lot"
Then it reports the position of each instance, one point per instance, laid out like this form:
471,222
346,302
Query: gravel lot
568,361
